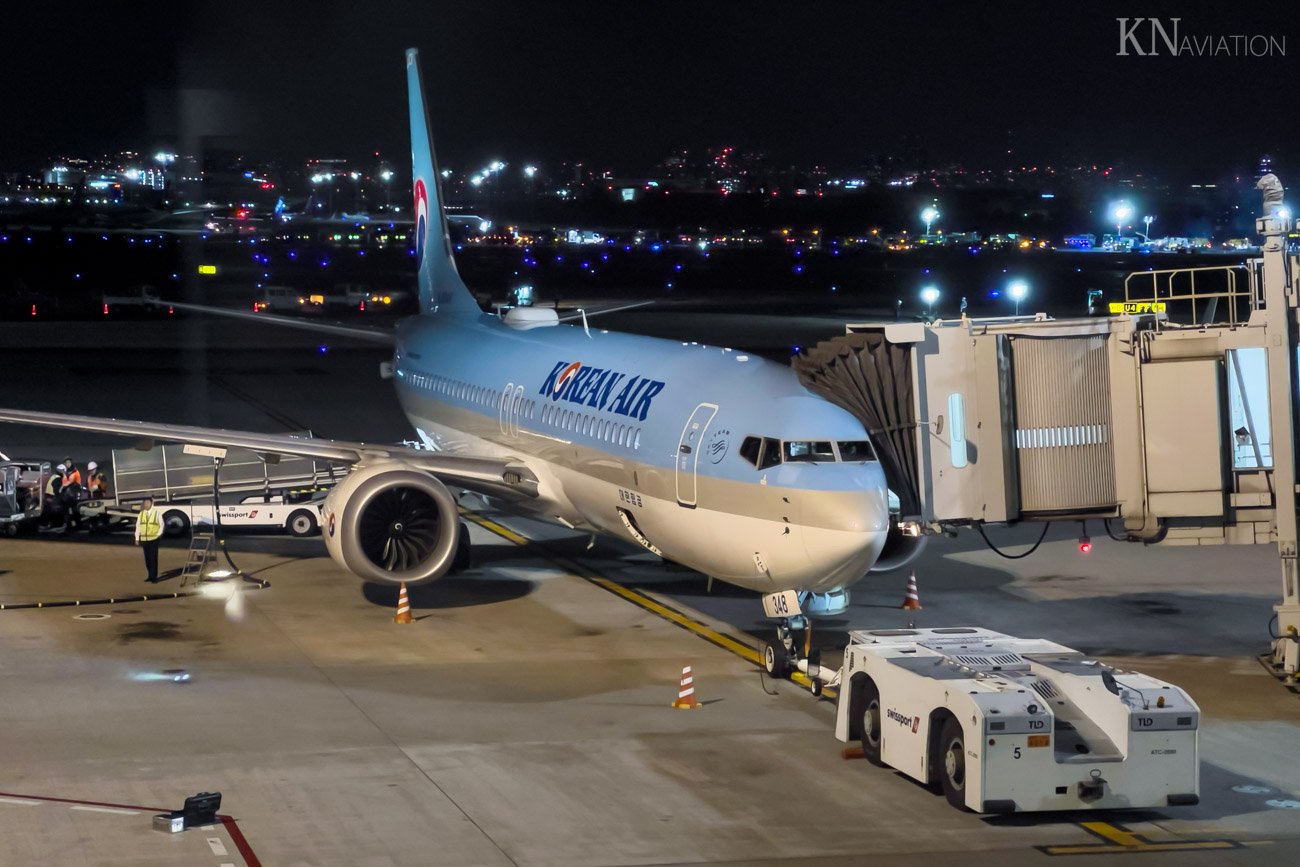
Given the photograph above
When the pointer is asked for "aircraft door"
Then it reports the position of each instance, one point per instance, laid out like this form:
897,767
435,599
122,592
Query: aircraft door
504,406
516,409
688,452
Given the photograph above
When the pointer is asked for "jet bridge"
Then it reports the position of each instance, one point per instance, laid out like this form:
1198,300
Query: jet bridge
1173,422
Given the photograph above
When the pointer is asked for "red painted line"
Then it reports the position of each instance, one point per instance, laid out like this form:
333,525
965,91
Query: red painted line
237,837
228,822
87,803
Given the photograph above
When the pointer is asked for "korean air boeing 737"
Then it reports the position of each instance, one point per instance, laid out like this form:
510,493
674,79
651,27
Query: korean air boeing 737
717,460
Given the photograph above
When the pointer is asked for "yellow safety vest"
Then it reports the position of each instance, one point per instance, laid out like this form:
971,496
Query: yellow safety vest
148,526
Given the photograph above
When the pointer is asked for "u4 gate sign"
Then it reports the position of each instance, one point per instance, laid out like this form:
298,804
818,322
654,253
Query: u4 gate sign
1131,307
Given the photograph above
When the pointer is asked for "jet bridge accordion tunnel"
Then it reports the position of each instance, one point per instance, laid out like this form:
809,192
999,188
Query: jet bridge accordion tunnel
1008,420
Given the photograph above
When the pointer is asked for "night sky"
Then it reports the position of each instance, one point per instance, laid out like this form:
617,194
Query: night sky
620,84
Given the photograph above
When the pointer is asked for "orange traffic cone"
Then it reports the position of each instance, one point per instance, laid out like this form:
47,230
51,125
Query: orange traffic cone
911,602
686,692
403,607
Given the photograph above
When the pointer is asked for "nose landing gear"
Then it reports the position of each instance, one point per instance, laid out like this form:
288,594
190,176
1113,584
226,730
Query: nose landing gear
791,650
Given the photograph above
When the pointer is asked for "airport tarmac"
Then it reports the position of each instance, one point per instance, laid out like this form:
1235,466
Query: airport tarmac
524,717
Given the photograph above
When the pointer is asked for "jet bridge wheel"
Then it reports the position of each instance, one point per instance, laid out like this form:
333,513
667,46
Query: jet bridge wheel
864,711
952,763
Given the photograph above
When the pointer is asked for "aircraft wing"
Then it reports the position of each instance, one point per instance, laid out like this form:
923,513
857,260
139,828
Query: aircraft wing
359,332
597,311
484,475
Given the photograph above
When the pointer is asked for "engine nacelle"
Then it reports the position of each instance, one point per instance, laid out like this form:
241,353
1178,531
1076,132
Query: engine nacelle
388,522
903,545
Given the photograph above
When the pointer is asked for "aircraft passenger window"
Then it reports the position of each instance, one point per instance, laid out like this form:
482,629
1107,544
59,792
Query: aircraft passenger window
622,435
636,440
818,452
750,448
586,425
856,451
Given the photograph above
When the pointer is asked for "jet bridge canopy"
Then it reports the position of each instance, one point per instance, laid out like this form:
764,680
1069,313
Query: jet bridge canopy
872,378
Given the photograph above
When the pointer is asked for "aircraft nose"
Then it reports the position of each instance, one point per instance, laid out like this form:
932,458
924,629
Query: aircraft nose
838,558
859,505
844,530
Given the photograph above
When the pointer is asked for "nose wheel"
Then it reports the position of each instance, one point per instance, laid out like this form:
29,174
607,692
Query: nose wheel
781,654
776,659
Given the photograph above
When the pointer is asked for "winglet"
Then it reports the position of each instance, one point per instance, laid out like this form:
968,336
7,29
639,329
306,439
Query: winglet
442,291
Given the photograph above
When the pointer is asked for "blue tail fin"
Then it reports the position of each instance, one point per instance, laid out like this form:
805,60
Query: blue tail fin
442,291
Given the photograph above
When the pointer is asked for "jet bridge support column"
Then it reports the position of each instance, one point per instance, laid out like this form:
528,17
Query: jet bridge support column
1280,330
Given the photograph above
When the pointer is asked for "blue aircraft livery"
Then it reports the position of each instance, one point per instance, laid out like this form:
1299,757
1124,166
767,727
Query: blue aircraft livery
601,389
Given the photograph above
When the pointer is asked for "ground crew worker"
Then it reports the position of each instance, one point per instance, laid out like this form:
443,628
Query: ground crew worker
96,483
71,475
148,528
50,503
55,482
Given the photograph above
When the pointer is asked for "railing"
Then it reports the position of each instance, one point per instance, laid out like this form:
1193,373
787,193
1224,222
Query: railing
1213,295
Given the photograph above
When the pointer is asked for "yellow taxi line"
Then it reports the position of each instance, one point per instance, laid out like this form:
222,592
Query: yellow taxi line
642,600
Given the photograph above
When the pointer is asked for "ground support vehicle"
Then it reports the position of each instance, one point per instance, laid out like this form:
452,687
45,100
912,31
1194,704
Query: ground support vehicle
278,494
1005,724
298,516
22,500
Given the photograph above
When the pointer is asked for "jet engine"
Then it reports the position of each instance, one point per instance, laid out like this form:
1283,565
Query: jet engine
903,544
390,523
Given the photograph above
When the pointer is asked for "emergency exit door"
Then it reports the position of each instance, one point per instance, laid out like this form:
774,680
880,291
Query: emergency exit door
688,452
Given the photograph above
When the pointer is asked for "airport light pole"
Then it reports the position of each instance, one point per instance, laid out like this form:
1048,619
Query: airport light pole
929,215
1148,220
1120,212
1017,291
929,296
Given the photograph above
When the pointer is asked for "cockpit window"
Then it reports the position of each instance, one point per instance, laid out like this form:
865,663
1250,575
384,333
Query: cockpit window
749,449
815,451
771,453
856,450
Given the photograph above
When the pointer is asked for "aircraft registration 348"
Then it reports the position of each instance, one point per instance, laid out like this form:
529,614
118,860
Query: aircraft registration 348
709,457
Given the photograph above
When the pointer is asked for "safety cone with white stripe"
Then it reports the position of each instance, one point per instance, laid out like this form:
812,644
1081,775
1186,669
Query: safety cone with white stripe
911,602
403,607
686,692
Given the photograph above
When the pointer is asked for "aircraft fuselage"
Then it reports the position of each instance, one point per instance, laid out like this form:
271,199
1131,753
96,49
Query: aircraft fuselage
641,438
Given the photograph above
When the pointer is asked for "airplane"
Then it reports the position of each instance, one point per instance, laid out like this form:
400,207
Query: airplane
706,456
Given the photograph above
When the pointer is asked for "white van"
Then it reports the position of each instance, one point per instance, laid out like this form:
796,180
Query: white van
284,299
